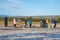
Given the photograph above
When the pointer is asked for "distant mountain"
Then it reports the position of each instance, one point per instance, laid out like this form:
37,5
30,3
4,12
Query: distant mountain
47,16
3,15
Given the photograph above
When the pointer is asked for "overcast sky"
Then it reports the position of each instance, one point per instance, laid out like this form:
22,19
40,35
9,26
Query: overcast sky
29,7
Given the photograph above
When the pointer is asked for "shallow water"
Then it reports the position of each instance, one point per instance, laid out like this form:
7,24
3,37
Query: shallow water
47,36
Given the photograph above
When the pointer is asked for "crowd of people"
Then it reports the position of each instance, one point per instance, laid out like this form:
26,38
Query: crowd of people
43,23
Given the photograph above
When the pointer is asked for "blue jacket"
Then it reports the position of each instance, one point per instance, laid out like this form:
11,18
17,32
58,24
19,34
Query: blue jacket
54,21
30,21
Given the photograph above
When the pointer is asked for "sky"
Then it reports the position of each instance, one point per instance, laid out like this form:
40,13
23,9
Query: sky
29,7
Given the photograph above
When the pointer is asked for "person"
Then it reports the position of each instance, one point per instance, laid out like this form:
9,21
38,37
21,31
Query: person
41,23
30,23
52,25
14,21
6,21
19,21
54,22
46,23
25,23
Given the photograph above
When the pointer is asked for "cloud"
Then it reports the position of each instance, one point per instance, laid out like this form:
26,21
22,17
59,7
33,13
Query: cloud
15,1
12,7
12,4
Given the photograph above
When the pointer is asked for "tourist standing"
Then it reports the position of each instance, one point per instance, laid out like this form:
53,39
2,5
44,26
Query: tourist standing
46,23
41,23
6,21
19,21
52,25
14,21
25,22
30,23
55,22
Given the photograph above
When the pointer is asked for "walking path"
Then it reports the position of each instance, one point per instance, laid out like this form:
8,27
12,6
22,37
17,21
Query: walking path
7,33
10,30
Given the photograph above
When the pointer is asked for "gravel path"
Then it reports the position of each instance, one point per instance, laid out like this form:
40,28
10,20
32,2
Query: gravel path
11,33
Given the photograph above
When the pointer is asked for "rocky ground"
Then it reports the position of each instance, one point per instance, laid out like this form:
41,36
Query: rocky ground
11,33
